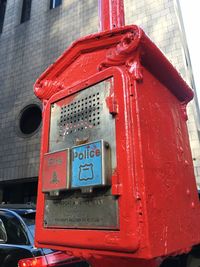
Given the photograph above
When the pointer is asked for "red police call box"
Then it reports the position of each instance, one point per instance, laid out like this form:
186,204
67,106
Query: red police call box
116,175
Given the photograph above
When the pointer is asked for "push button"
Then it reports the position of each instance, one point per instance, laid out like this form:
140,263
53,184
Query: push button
88,166
56,170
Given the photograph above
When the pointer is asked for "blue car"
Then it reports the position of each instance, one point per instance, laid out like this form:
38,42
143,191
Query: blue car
17,224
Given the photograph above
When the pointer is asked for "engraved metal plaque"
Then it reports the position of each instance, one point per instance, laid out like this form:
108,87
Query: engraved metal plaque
98,211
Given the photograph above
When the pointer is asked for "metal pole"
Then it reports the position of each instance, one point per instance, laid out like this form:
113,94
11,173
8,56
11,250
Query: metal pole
111,14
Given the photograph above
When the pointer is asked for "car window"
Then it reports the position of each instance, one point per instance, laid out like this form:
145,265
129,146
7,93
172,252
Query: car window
3,234
29,219
31,225
16,233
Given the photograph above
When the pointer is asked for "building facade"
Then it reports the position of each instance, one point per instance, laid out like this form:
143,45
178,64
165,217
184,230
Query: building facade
32,35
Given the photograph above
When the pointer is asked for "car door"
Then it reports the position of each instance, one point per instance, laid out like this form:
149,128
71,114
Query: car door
14,242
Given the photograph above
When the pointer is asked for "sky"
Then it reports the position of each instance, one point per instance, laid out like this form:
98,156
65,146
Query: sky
191,17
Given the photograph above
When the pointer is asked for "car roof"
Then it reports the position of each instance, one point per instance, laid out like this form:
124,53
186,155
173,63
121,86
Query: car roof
23,211
20,209
20,212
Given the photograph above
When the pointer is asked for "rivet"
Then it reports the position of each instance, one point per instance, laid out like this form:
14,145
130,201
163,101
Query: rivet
188,192
186,162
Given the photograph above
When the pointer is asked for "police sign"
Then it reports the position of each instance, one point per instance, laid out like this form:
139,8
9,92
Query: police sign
88,164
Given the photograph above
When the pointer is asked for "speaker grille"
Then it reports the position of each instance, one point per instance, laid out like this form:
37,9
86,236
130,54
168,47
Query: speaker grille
80,114
83,117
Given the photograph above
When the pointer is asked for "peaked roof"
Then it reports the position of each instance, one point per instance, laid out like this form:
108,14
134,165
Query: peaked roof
123,42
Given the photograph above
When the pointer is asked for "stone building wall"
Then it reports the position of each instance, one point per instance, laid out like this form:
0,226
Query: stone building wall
26,49
159,19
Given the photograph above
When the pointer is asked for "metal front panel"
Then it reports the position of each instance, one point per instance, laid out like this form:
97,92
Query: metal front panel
98,211
83,117
76,121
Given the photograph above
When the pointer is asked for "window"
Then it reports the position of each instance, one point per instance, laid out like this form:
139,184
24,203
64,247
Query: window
13,230
2,13
26,10
55,3
3,234
29,119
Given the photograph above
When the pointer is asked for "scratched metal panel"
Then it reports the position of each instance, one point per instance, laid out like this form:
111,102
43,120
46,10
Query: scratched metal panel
78,211
82,118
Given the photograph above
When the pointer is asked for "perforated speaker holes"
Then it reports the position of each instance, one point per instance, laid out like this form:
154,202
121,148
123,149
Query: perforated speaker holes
81,114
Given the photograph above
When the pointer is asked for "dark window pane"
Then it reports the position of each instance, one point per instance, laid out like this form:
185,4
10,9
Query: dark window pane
3,234
30,119
2,13
55,3
16,233
26,10
29,220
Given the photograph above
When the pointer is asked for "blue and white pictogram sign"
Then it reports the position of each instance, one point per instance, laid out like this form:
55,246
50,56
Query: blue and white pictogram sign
87,165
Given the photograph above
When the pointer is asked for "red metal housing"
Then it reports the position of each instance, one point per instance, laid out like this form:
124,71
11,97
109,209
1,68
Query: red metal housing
154,181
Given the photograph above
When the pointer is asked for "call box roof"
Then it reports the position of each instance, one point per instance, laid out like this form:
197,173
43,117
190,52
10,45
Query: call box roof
126,46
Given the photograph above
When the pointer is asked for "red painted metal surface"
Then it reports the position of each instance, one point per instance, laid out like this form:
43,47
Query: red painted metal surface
159,210
111,14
